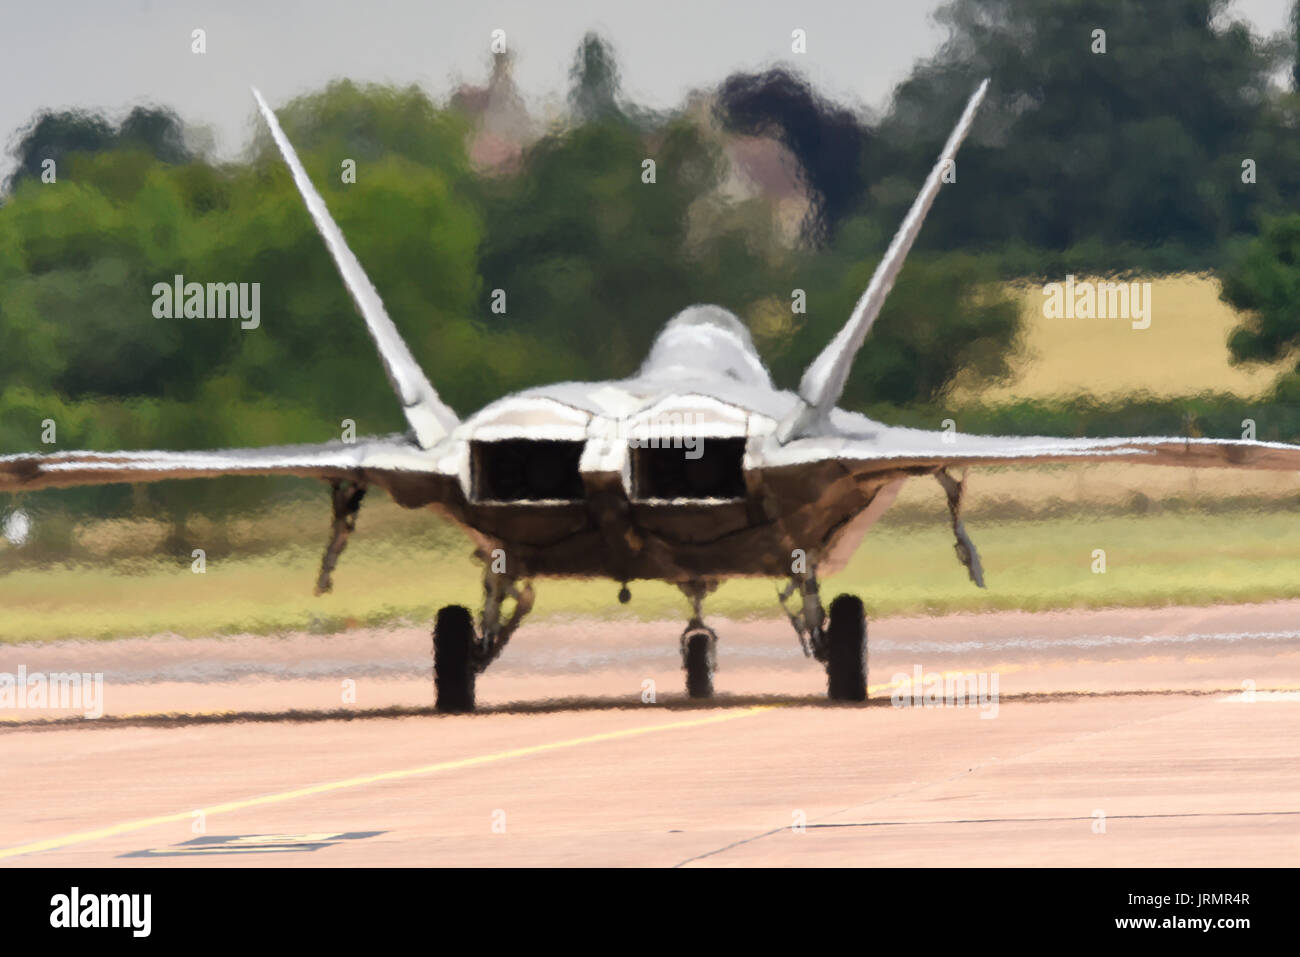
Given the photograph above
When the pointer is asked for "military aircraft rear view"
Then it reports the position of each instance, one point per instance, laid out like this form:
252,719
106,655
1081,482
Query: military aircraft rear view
695,470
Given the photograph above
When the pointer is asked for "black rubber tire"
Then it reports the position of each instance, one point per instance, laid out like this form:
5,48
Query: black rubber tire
698,662
453,672
846,661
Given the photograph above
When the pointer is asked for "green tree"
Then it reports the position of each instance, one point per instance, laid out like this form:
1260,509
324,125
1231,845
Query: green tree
1264,284
79,259
1137,146
58,135
597,249
948,315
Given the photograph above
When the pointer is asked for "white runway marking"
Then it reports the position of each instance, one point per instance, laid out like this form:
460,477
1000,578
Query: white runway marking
1253,697
1086,641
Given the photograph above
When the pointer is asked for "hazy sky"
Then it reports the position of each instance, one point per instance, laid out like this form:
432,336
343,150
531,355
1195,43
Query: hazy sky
112,54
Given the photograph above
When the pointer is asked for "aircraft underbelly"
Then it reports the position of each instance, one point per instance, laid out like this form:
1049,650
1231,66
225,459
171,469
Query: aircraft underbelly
608,536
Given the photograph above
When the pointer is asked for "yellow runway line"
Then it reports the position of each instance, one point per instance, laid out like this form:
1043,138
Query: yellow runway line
82,837
128,716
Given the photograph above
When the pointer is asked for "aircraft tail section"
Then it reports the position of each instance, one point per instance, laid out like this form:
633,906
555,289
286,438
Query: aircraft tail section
429,417
823,381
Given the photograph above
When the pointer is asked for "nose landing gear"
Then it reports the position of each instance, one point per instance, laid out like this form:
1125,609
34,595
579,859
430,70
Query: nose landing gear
699,643
699,658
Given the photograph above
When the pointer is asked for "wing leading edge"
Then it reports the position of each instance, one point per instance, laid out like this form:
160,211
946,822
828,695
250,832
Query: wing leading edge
898,449
384,462
395,464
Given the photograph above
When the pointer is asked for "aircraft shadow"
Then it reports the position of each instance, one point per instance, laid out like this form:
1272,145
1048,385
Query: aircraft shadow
669,703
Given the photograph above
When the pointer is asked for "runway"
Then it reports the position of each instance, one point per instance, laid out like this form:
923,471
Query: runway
1115,738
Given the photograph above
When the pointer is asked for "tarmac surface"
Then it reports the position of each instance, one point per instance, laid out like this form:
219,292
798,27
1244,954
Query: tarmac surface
1110,738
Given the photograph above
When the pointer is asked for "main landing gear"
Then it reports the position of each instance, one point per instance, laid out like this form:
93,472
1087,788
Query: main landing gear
460,654
838,641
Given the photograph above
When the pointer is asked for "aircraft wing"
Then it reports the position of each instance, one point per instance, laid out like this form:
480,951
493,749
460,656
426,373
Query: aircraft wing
396,464
882,457
920,451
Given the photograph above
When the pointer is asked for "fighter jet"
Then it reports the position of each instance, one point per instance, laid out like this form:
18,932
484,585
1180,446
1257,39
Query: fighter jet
694,470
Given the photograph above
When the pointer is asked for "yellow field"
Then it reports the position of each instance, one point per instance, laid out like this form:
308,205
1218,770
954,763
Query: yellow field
1184,351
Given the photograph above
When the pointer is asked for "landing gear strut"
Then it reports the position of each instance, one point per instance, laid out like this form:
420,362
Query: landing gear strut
460,655
699,644
838,641
346,499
